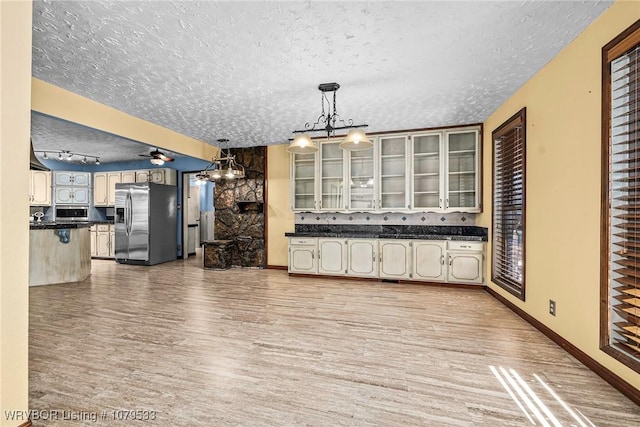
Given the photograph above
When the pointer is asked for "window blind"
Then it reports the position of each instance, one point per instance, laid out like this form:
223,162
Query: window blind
508,232
624,202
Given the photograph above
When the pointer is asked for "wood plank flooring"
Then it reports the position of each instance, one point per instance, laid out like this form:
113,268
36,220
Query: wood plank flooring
257,347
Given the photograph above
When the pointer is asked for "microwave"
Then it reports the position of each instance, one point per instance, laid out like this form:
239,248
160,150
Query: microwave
72,213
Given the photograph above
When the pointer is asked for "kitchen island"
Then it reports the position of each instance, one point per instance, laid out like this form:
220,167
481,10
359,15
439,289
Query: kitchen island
59,252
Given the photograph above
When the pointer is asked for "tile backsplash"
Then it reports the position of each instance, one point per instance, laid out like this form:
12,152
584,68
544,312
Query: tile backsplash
418,218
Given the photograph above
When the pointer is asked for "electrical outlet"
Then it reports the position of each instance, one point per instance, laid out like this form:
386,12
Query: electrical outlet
552,307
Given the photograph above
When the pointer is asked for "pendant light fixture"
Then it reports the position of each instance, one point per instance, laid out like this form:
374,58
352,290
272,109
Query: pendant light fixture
356,140
223,167
329,121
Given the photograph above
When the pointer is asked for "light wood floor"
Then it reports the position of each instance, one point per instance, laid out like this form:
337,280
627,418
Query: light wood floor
257,347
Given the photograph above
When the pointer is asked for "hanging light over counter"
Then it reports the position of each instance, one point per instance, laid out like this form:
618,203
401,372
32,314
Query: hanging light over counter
329,121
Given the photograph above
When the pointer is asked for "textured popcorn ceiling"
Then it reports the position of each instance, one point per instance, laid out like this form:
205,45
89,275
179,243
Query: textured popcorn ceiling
48,133
249,71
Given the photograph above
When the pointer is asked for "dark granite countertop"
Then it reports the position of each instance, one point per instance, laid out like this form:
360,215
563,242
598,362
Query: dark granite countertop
102,221
53,225
416,232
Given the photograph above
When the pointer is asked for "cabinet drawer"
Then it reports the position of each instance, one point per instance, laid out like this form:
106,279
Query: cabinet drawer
465,246
103,227
305,242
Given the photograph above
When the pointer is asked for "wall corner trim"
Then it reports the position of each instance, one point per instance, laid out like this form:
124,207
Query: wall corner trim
614,380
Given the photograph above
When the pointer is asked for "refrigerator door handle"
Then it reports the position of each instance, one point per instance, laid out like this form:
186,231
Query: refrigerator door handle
128,213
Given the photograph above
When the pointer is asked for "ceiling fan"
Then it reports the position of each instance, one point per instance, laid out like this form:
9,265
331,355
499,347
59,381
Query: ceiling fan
157,157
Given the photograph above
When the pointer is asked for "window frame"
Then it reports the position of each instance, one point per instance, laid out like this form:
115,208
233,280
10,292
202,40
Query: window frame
518,120
613,50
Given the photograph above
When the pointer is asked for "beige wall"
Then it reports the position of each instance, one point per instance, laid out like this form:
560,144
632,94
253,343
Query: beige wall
563,105
281,217
15,81
57,102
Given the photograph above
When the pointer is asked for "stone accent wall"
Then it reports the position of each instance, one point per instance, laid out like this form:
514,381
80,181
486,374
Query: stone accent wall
239,206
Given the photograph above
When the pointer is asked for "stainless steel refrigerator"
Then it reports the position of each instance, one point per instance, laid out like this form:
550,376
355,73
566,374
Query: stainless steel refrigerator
146,223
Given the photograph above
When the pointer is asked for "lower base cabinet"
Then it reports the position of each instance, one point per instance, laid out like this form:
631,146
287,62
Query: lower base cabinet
429,260
302,256
394,259
362,258
332,256
103,241
465,262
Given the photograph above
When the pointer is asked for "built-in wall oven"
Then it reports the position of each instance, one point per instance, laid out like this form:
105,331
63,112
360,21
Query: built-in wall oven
72,213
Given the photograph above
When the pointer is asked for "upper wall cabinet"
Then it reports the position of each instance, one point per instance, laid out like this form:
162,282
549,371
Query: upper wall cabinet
39,188
393,173
66,179
332,170
431,171
462,171
303,182
362,185
71,188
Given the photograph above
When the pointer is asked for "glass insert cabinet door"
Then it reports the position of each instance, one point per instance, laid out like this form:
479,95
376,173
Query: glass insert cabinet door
361,182
427,183
331,176
304,166
393,173
462,170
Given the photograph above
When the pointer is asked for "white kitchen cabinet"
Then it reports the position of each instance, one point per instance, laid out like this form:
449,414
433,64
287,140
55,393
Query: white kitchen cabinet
127,177
465,262
361,182
93,233
71,188
427,185
428,258
104,241
157,176
112,241
100,189
303,182
66,179
104,186
395,259
113,178
429,171
445,169
332,256
392,173
462,171
39,188
362,257
332,191
302,255
71,195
